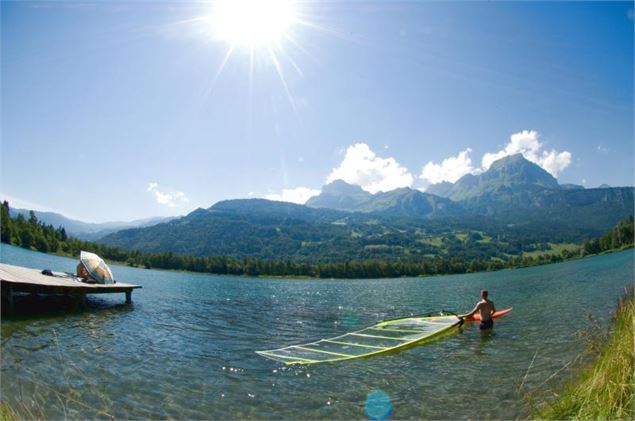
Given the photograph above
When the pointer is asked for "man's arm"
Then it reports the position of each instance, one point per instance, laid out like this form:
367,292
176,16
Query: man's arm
471,313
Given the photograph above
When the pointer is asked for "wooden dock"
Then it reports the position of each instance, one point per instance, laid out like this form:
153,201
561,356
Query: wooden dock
18,279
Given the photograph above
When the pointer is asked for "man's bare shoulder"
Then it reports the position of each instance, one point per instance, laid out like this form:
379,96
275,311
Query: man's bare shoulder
485,303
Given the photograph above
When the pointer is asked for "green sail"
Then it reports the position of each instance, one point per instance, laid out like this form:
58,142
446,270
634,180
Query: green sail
378,339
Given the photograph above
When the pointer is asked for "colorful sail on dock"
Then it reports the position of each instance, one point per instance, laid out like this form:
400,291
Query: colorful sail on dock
96,267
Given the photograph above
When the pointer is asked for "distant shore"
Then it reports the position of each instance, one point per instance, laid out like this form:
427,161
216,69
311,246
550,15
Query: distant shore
309,278
35,235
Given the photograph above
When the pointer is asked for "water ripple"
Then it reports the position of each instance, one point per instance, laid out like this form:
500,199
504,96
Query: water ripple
185,349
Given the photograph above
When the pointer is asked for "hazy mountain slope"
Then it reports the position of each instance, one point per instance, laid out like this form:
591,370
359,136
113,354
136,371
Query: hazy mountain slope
340,195
87,230
399,202
511,207
238,229
264,207
235,228
411,203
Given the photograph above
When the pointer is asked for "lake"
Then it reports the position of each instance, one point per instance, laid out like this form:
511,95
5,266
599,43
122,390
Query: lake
185,347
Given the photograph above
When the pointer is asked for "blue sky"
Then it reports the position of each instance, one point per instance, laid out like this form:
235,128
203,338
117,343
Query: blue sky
120,110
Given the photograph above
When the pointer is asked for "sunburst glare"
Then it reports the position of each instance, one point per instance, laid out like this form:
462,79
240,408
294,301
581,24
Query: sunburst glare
268,31
252,23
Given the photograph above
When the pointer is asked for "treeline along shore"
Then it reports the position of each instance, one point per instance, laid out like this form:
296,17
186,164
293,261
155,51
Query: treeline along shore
30,233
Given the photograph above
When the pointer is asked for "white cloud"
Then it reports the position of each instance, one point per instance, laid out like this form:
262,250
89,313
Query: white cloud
363,167
528,144
169,199
298,195
602,149
553,162
451,169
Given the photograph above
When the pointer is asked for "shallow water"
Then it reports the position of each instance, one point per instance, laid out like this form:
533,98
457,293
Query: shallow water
185,347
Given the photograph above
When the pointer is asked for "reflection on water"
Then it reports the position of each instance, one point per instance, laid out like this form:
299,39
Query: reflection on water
185,348
487,334
31,306
350,320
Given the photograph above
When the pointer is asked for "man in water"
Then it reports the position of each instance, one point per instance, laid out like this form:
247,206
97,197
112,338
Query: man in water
486,309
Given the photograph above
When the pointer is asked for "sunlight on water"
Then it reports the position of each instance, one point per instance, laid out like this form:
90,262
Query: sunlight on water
350,319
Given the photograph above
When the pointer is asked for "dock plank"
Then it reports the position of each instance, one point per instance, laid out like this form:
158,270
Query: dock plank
21,279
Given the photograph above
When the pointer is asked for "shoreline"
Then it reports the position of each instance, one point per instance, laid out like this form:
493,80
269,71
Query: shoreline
602,388
310,278
35,235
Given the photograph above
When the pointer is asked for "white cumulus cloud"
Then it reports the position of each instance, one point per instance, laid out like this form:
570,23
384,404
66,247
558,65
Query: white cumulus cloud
451,169
363,167
298,195
527,143
169,199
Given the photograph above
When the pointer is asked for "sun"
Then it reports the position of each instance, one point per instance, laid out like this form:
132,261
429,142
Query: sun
252,23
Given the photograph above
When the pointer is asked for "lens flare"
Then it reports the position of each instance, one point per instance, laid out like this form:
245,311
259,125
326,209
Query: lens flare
252,23
378,405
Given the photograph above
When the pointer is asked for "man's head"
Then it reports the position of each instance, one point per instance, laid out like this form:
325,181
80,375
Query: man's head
81,271
484,293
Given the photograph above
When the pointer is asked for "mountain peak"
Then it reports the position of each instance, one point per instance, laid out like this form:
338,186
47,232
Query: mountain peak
509,160
402,201
341,187
513,172
516,170
339,195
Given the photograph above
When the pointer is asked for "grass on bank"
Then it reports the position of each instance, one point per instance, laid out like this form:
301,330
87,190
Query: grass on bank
7,413
603,391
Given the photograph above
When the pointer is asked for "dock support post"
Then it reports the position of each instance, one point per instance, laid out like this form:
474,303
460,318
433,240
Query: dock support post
10,300
82,299
128,296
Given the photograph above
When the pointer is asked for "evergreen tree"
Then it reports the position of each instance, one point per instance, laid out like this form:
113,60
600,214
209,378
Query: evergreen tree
6,223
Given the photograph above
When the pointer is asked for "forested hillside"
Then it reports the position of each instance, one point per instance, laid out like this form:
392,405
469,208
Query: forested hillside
33,234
